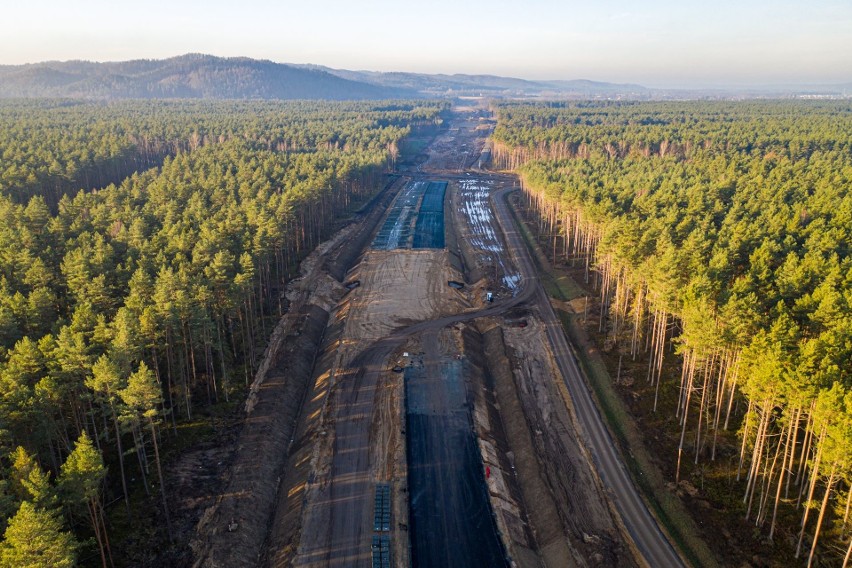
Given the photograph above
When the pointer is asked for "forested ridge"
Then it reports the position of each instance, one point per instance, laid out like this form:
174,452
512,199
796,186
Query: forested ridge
132,298
721,230
190,76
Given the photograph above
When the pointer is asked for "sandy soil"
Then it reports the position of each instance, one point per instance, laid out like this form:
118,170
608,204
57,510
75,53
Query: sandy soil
398,288
564,466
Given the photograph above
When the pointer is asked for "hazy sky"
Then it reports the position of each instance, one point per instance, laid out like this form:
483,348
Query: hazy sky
652,42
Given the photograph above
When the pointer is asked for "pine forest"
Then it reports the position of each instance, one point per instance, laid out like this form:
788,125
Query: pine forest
717,237
143,250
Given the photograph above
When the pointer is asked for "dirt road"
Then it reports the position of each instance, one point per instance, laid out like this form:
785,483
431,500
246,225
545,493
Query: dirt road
643,528
345,503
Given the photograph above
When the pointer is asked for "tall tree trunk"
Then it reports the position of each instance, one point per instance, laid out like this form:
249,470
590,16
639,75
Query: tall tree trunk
812,486
162,482
789,449
224,380
96,526
120,458
100,510
140,455
821,515
684,419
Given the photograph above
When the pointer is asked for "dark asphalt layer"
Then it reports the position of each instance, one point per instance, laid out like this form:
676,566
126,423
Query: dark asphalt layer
429,228
451,524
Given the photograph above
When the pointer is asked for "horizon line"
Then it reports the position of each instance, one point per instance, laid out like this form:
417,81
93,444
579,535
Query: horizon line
719,86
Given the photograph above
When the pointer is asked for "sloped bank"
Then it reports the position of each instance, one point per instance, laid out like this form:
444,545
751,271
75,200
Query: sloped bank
231,533
234,530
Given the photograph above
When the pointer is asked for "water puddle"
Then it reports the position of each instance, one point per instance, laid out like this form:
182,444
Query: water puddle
475,205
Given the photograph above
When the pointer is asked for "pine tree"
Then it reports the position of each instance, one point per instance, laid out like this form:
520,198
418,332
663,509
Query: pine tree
143,397
106,383
28,481
80,480
35,539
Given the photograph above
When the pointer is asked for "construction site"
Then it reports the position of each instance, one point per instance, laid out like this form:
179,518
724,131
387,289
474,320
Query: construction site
419,404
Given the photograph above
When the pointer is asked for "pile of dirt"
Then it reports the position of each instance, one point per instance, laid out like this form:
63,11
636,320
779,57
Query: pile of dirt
551,541
497,456
563,495
309,441
313,285
232,531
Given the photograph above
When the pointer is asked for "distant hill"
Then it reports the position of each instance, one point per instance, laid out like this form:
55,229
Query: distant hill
439,83
584,86
191,76
197,76
460,84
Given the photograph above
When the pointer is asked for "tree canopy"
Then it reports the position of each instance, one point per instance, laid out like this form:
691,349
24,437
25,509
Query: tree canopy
143,249
723,228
